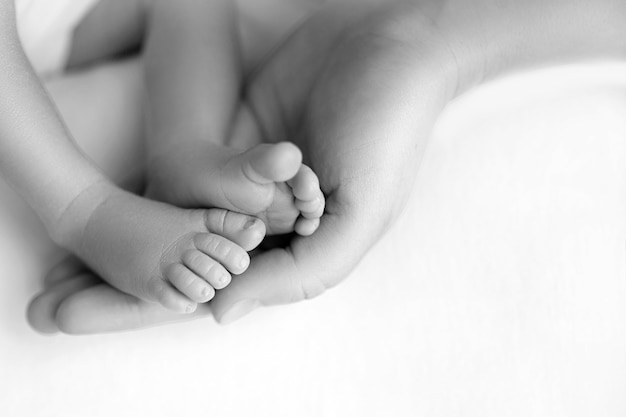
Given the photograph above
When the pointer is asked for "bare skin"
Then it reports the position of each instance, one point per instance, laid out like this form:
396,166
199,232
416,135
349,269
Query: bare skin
193,73
268,181
290,269
160,245
174,257
433,53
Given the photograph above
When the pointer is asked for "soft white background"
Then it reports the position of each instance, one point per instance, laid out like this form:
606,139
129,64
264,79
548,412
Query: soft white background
501,291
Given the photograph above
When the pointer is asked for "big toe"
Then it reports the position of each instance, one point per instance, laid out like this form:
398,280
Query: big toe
268,163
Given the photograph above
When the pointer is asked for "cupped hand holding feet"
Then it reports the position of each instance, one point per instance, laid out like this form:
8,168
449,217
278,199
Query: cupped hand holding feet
359,96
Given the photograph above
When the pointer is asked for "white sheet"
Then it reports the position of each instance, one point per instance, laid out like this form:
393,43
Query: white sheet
46,28
500,292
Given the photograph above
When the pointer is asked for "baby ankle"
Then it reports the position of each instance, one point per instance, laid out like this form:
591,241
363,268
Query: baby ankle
67,231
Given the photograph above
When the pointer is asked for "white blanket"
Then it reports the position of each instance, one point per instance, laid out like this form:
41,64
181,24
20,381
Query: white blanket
46,28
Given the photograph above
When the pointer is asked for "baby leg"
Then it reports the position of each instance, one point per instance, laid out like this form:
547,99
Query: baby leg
282,191
108,129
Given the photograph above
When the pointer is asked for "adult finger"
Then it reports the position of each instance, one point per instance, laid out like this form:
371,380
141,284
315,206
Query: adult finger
103,309
42,310
305,270
70,266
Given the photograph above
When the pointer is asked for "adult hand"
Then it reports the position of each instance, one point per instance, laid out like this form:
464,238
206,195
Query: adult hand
358,88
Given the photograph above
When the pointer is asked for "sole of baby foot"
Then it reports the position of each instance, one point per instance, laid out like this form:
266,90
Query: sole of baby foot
268,181
161,253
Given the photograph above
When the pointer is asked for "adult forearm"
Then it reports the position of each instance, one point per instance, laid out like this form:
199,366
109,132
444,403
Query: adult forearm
491,37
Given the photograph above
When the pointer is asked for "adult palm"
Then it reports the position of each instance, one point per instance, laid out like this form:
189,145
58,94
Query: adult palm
358,88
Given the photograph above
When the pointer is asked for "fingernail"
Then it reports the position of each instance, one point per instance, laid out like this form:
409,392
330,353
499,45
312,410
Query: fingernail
239,310
223,279
191,308
206,292
250,224
243,263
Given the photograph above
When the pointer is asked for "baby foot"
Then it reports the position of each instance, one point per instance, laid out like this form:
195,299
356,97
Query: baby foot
161,253
268,181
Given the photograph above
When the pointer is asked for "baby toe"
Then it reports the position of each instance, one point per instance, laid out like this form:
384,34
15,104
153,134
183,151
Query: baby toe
268,163
306,227
188,283
207,268
305,185
312,209
246,231
233,257
166,295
